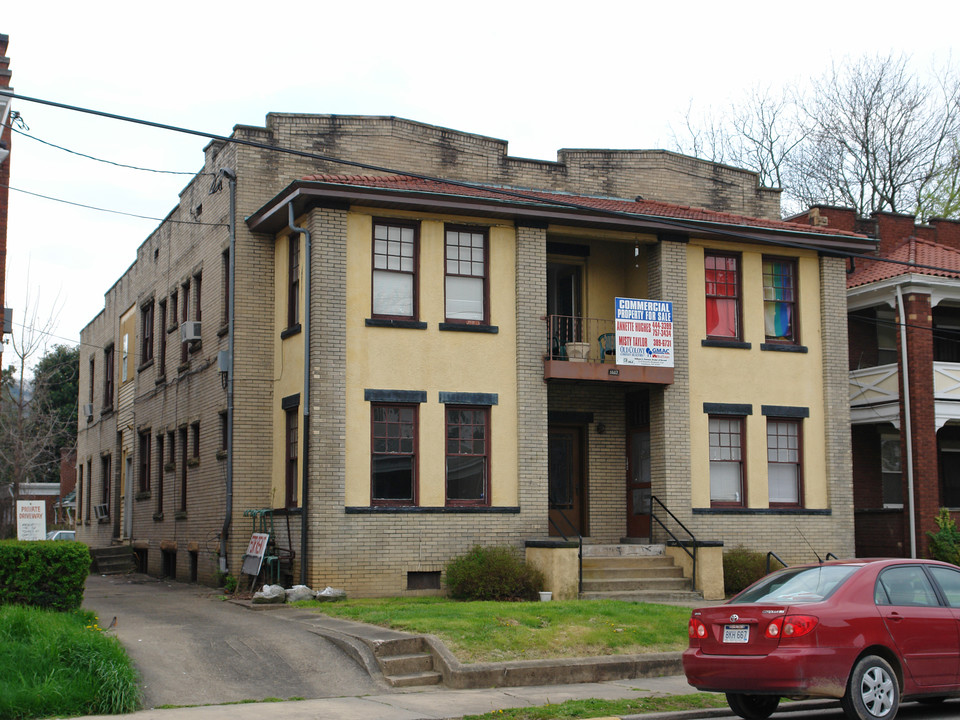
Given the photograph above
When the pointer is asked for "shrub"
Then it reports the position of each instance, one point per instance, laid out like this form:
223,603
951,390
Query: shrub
43,574
945,543
493,573
742,568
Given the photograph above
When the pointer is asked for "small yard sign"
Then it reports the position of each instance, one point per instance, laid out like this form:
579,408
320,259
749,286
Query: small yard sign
31,520
644,332
256,549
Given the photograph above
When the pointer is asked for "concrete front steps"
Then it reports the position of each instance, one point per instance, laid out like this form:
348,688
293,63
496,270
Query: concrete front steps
638,572
406,662
113,560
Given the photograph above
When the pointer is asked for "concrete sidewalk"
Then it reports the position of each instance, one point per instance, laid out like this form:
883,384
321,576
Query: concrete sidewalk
435,703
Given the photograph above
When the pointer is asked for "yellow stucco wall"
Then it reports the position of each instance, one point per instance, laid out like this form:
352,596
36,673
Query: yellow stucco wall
288,364
431,360
757,377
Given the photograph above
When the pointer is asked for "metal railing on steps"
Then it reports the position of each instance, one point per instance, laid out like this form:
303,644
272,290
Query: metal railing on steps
682,544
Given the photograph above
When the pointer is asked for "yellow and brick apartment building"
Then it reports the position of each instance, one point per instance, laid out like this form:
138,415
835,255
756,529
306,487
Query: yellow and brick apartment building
386,363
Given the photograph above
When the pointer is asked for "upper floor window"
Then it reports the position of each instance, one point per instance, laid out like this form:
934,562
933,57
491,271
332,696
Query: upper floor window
162,351
393,462
146,333
468,455
784,476
465,285
726,460
395,260
723,296
293,280
108,380
225,286
197,285
780,300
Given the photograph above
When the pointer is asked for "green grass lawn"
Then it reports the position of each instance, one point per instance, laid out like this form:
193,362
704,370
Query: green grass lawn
577,709
499,631
61,664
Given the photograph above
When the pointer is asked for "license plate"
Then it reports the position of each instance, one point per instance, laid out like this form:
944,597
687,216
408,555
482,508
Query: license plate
736,633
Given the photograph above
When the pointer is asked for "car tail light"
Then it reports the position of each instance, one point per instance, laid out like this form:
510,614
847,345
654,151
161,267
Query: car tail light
696,629
791,626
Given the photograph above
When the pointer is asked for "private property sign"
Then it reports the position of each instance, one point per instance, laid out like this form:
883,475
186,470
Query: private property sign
31,520
644,332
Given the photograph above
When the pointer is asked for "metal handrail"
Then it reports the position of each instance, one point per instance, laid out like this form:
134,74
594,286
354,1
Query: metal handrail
680,543
772,554
579,547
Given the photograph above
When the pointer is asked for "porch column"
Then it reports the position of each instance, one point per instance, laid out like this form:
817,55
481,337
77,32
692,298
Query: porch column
531,388
670,406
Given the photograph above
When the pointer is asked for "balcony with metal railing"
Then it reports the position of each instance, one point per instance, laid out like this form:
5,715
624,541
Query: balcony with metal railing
585,349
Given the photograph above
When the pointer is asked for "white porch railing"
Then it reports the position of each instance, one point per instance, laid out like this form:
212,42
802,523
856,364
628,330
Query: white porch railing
875,385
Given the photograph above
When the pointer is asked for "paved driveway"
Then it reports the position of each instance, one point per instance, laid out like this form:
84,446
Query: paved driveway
192,647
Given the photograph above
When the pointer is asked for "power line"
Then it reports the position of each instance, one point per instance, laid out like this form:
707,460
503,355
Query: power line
108,162
114,212
668,222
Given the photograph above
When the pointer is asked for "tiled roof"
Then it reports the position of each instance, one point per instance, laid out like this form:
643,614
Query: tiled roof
640,207
914,251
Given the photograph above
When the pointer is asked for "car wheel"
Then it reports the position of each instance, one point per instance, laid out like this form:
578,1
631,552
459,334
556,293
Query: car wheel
753,707
872,690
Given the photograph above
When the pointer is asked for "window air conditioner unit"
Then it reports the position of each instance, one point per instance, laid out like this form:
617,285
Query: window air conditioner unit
101,511
190,331
88,410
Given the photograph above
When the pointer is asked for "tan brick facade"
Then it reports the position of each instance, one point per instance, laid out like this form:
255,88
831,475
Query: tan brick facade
367,551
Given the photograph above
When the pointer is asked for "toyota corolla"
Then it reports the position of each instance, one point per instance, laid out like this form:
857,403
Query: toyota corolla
871,633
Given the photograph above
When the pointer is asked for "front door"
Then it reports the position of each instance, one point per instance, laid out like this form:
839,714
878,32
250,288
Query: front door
565,481
638,482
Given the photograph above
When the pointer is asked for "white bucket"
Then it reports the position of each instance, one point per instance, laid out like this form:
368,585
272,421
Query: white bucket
546,596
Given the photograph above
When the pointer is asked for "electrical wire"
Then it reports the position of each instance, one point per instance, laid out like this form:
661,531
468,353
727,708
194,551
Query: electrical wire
108,162
114,212
667,222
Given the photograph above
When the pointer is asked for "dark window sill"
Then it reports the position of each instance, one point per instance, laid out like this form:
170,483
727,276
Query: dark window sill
195,346
180,515
290,331
169,467
161,379
142,495
144,365
777,347
464,327
158,517
415,509
739,344
221,454
759,511
193,462
106,412
104,520
223,330
183,367
384,322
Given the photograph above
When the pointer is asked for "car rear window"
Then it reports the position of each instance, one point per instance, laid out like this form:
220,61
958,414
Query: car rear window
793,585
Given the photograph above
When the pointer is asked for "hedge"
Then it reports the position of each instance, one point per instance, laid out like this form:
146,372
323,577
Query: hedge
43,574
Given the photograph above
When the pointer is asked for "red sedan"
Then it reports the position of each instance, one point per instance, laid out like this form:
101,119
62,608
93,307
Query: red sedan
868,632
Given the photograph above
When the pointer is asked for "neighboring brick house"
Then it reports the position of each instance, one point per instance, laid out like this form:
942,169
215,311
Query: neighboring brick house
405,378
925,277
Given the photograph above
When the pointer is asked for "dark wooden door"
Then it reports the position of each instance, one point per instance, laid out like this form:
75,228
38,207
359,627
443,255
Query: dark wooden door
638,482
565,481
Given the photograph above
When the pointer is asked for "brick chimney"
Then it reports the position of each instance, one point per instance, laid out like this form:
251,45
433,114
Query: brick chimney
893,229
946,232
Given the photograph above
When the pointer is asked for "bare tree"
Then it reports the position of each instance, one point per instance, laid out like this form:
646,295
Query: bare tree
28,425
869,134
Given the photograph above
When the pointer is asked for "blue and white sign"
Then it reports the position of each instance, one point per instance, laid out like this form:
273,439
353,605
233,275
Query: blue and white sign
644,332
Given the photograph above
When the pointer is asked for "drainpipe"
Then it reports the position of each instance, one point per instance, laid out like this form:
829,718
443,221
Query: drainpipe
231,328
305,402
907,423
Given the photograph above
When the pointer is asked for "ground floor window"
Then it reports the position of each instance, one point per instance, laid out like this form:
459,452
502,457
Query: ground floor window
726,461
948,441
468,455
890,471
393,462
784,467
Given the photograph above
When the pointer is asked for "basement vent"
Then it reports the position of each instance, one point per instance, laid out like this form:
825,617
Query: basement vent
423,580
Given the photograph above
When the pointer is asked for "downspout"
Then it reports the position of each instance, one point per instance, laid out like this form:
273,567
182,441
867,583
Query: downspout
305,401
231,317
906,421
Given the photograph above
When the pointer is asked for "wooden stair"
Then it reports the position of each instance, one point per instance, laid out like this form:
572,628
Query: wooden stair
641,573
113,560
406,662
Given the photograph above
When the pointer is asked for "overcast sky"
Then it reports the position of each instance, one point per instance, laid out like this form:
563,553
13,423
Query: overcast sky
542,76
